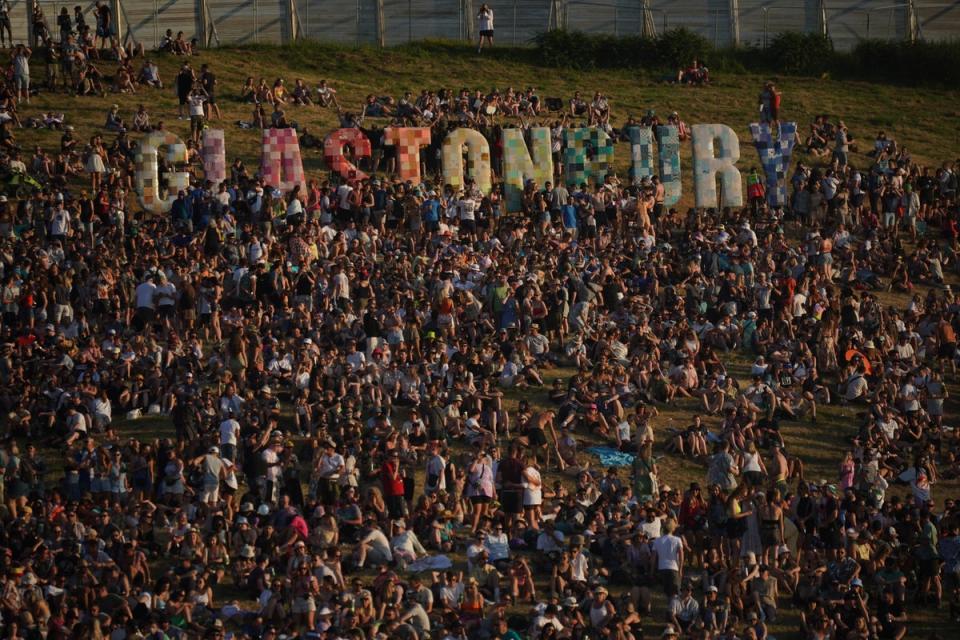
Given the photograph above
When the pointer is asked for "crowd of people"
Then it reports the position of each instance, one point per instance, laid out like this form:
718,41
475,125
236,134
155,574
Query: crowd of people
295,415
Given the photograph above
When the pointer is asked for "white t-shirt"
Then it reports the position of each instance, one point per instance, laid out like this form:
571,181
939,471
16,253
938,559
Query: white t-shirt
486,24
229,431
166,295
468,208
668,548
196,105
330,465
343,195
60,223
144,294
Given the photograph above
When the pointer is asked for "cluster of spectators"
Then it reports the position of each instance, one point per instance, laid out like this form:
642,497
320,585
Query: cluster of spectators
271,415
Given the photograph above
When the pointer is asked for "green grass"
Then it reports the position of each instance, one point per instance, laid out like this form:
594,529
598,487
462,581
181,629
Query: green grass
927,122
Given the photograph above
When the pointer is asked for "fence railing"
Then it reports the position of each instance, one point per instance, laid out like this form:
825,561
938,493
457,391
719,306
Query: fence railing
387,22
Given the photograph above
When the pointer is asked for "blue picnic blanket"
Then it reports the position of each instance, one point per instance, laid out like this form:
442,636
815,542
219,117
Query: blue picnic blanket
610,457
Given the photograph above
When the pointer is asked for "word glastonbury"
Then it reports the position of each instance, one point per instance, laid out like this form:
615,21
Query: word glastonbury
587,158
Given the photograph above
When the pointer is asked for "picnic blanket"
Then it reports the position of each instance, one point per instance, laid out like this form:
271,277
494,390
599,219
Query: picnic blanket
430,563
610,457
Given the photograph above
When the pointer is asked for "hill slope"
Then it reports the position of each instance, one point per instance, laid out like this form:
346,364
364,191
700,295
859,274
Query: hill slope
927,121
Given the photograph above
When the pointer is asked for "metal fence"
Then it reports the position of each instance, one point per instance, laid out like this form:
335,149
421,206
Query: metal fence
389,22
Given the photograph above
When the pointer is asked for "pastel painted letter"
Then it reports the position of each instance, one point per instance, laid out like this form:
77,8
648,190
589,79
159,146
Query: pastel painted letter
775,152
520,165
408,141
588,155
214,155
147,173
333,152
280,164
716,150
478,159
669,153
641,153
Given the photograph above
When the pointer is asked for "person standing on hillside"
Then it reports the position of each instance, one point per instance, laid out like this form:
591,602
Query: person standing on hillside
208,80
485,18
185,81
21,72
104,24
5,23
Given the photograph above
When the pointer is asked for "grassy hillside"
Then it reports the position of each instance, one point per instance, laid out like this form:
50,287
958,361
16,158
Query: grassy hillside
926,121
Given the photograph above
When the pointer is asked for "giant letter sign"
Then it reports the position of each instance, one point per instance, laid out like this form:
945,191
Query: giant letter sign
521,164
641,153
408,141
775,155
280,163
670,164
333,152
478,158
589,154
707,164
147,174
214,155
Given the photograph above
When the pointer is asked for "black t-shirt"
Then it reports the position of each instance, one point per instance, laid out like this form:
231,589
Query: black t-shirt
511,471
895,609
184,81
209,82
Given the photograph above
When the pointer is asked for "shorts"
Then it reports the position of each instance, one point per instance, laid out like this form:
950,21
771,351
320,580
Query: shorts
166,310
928,567
947,350
146,315
481,499
512,501
303,605
536,437
670,580
486,33
211,99
104,32
182,97
395,507
210,494
21,83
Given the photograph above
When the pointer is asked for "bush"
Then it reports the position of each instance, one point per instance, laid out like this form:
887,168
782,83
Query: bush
800,53
919,63
679,47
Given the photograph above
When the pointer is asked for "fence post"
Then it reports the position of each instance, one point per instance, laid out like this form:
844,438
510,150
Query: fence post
356,28
868,25
514,22
380,25
202,35
764,10
616,20
735,22
409,20
292,20
913,25
468,18
156,24
256,22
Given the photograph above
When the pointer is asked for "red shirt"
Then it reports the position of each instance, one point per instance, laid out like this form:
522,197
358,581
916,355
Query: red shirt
390,477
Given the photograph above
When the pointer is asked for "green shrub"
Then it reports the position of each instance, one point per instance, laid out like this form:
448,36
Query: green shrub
678,47
800,53
918,63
